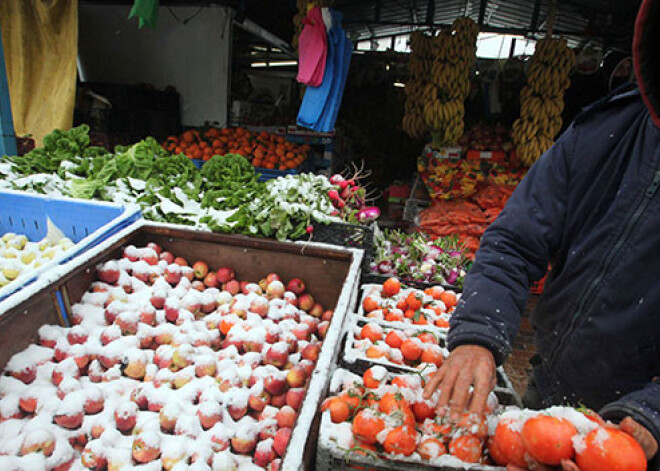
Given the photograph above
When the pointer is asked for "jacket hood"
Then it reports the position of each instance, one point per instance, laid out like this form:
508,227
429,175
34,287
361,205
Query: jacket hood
646,56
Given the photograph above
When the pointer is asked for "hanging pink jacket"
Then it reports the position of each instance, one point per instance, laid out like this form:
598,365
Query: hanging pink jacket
312,49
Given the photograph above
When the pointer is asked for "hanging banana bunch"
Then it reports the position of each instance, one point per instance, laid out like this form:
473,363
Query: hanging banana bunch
419,68
303,7
444,97
542,99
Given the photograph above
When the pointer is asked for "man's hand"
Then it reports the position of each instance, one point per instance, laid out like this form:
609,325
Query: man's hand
466,365
628,425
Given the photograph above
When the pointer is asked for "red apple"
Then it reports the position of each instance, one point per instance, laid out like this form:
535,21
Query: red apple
70,413
264,453
274,465
302,332
308,366
94,371
257,402
311,352
94,401
172,274
93,456
295,397
182,262
126,416
108,272
275,290
281,440
198,285
29,401
40,440
219,437
273,277
110,334
306,302
200,268
327,315
211,280
188,273
140,398
259,306
172,309
127,322
225,274
148,315
67,368
322,329
244,443
263,284
277,354
209,414
80,355
296,377
316,310
146,447
191,302
268,428
205,367
208,304
232,286
286,417
275,383
296,286
168,257
77,334
237,412
155,247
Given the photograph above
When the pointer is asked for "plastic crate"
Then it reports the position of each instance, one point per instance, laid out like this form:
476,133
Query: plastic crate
368,277
329,457
86,223
347,235
366,288
356,362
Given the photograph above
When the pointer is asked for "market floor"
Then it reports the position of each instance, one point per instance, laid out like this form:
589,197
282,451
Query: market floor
517,366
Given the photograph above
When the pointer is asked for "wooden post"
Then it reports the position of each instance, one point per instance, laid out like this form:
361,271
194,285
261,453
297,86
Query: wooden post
7,135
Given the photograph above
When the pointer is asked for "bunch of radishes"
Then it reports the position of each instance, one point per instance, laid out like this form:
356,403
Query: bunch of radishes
415,257
350,198
168,366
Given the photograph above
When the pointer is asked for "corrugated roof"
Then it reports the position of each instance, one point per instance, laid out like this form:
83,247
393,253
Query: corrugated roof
606,21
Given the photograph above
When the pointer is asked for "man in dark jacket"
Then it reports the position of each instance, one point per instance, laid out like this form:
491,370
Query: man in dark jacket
591,206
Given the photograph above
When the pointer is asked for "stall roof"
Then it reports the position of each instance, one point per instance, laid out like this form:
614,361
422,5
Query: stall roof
605,21
609,22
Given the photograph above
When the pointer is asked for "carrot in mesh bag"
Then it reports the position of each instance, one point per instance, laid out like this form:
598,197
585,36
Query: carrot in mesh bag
493,196
455,212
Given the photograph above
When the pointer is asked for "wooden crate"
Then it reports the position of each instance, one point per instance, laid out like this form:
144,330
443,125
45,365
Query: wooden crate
331,275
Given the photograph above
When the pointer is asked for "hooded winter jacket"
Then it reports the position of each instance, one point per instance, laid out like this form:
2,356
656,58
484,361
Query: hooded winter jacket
590,206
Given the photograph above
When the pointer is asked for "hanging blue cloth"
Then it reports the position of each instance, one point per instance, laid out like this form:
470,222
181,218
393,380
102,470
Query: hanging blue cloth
320,105
343,53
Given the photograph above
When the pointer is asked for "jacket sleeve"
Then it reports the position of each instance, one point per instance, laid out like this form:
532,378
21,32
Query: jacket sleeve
643,406
514,252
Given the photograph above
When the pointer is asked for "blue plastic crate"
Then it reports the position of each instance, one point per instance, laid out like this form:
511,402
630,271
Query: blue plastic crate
86,223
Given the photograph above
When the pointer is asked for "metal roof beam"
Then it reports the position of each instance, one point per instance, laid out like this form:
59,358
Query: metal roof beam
482,12
486,29
413,11
535,16
430,12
